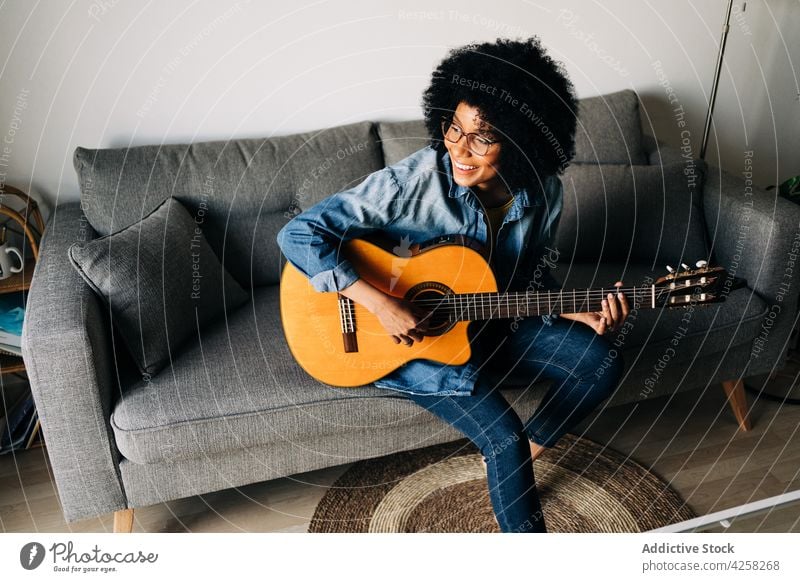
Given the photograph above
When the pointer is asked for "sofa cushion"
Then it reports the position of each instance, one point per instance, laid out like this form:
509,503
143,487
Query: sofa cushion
160,280
659,153
609,130
251,392
244,190
615,212
238,386
400,139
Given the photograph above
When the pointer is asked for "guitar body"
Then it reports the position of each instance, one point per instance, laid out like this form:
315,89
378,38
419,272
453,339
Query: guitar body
313,321
339,342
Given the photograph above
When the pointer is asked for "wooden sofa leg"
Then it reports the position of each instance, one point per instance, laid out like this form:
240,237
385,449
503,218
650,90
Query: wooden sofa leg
123,521
734,391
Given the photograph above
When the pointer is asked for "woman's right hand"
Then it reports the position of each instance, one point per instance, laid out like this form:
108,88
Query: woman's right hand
403,320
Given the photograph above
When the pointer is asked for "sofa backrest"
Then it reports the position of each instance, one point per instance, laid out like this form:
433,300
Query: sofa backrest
240,192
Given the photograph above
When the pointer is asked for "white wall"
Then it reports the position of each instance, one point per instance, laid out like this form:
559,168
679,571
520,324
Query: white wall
110,73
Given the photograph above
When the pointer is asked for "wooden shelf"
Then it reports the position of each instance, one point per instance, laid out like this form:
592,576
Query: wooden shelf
10,364
30,221
19,281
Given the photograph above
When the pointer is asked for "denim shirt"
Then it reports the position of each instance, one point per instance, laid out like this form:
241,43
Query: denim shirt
414,201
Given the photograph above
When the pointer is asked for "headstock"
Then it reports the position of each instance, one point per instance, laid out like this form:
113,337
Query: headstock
689,287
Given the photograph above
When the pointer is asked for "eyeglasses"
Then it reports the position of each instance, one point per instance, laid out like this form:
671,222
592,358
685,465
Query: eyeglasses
477,144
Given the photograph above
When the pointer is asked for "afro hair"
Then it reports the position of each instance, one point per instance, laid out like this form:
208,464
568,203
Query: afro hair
521,92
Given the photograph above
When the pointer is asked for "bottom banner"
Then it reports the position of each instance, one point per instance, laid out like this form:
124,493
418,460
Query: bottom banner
355,557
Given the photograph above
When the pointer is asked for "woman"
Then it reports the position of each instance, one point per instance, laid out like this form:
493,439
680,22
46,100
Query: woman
501,117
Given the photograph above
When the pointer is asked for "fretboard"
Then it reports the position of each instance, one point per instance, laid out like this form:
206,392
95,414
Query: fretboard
479,306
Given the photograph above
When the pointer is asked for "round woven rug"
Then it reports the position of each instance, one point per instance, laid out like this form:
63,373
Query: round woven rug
583,487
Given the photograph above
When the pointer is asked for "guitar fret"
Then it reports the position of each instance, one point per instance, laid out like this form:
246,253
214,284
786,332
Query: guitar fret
495,305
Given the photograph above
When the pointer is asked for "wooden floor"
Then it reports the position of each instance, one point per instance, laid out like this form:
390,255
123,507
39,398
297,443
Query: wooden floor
690,440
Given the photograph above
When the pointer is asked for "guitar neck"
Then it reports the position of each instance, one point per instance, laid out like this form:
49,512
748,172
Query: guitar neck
480,306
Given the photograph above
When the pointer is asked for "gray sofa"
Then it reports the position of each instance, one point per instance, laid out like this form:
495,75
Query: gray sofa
234,408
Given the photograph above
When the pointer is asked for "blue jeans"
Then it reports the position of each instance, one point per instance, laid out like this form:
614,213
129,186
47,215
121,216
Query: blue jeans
584,372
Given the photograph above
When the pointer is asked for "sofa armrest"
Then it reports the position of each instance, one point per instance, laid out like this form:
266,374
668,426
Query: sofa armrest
68,354
755,234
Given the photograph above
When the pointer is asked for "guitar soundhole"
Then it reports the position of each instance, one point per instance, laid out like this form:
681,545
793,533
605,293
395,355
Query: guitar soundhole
432,297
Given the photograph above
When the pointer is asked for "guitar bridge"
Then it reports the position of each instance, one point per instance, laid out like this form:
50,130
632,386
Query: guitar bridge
348,324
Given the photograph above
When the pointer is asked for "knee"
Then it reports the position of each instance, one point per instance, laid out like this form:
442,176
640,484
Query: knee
607,365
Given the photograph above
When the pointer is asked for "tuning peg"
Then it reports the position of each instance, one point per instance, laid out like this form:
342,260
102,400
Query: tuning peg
701,264
670,269
685,266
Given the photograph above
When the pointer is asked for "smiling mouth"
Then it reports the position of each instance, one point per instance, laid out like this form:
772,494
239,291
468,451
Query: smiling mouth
465,168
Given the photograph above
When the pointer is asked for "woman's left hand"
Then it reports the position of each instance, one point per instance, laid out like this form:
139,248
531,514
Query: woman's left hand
614,311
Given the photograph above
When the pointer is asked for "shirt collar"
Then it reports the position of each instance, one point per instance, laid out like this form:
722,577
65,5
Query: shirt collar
457,190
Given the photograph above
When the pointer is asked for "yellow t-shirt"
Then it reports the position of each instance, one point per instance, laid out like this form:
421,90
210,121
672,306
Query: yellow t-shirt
494,218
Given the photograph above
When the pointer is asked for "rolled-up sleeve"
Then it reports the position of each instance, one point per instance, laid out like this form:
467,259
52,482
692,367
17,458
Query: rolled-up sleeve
311,240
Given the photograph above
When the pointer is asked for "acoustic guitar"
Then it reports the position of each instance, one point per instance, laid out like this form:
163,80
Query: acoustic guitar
339,342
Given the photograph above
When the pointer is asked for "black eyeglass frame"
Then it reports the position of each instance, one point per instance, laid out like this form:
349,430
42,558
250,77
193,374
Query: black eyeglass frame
447,123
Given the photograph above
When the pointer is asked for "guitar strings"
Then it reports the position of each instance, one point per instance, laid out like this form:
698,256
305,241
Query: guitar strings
458,303
553,297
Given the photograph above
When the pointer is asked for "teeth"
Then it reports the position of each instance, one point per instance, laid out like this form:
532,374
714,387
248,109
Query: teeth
463,167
